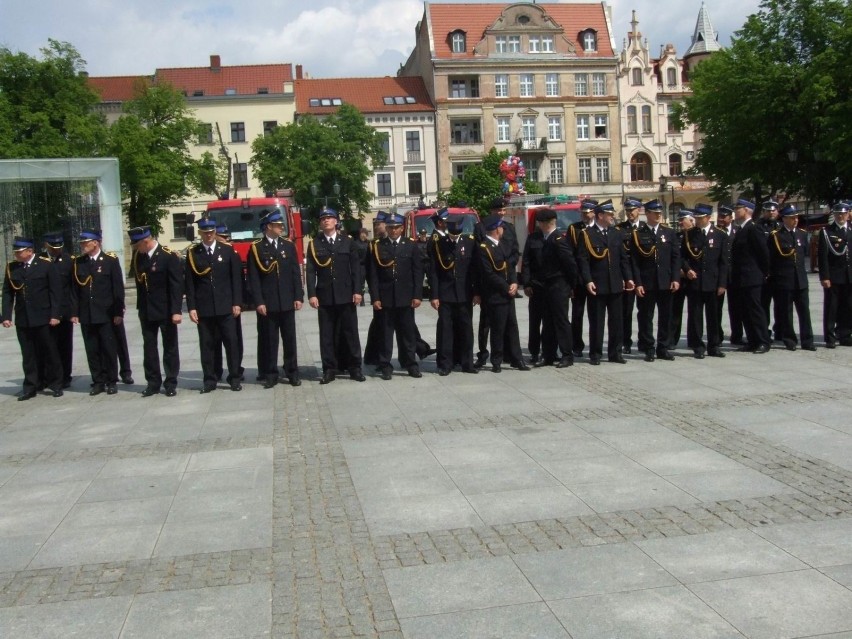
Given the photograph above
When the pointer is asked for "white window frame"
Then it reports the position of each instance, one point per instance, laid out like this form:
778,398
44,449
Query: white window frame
459,43
390,184
547,44
598,84
554,128
557,171
602,169
584,170
590,41
501,44
501,85
632,129
504,128
583,130
534,44
528,128
636,77
526,84
551,85
581,84
647,120
514,43
601,120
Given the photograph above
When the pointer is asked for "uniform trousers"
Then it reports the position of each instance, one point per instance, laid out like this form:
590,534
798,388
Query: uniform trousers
503,327
151,332
399,320
659,302
605,306
277,325
455,335
63,337
678,300
121,350
785,301
755,324
213,332
535,309
484,328
837,313
557,326
217,353
720,311
735,317
99,340
578,309
340,346
702,305
628,303
38,353
371,348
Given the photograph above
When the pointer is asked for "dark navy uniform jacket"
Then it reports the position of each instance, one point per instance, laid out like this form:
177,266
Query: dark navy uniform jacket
603,260
97,290
395,272
333,271
707,255
749,257
655,259
32,291
213,282
452,268
159,284
275,276
835,263
787,260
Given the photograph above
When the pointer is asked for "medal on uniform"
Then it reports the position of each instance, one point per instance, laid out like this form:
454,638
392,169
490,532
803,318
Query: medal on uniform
99,269
220,258
153,267
711,242
662,238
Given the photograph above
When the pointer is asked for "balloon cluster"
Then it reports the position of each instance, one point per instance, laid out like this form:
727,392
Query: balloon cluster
513,172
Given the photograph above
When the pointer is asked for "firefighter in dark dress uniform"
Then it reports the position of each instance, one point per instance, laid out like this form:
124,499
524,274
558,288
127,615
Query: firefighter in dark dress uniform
749,255
655,260
578,302
31,289
395,275
223,235
704,254
335,280
685,222
632,210
159,301
788,278
97,304
371,348
63,333
275,279
724,220
213,278
835,276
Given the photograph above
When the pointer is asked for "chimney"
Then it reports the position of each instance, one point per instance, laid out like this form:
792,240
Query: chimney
298,71
215,63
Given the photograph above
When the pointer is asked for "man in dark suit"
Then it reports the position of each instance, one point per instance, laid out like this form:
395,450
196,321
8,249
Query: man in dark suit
632,210
213,278
498,282
685,222
63,333
223,236
578,302
549,277
605,269
788,277
749,269
97,304
835,276
335,281
704,253
31,288
371,348
275,277
768,222
159,301
655,260
395,274
452,287
724,220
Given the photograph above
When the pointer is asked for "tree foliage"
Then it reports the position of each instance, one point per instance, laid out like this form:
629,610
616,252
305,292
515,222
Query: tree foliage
152,142
338,149
782,89
481,183
46,107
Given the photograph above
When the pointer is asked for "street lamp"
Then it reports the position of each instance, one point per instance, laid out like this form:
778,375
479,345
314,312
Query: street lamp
667,181
325,198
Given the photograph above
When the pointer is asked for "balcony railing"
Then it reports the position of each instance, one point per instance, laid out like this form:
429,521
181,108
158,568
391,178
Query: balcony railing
535,145
413,157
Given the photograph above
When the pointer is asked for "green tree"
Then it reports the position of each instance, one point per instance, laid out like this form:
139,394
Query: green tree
46,107
482,183
773,109
152,141
338,149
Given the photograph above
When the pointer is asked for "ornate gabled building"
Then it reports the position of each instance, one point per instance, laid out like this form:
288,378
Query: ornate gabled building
538,80
658,153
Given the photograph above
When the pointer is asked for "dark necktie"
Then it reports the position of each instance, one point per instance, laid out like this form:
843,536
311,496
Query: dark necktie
210,251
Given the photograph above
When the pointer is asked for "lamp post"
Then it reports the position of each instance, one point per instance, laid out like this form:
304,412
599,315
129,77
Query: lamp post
325,198
667,182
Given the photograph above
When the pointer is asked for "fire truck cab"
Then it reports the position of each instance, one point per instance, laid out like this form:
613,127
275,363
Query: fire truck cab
419,220
521,212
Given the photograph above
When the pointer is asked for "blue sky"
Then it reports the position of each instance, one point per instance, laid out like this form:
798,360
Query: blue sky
329,39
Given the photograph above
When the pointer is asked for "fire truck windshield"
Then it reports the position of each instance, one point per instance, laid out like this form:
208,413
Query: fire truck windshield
244,222
565,218
424,222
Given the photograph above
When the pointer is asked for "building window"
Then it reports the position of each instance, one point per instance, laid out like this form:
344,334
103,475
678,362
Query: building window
671,77
581,84
582,127
532,169
551,85
503,134
675,164
535,44
600,127
636,77
547,44
527,85
500,44
459,168
590,41
415,183
602,165
554,128
598,84
179,226
631,120
557,172
383,184
585,168
458,42
412,146
528,132
646,119
640,168
466,132
205,136
241,175
674,123
238,131
464,87
515,44
385,139
501,86
269,126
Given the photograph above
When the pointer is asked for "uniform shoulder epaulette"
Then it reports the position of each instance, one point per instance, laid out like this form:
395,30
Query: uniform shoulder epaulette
287,239
42,257
111,254
773,231
167,249
483,245
260,239
470,236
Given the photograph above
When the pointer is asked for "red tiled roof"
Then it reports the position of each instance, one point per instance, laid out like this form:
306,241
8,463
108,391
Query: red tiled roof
474,19
119,88
366,94
244,79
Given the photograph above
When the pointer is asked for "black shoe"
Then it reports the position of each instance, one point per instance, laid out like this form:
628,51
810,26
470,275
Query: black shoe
618,359
577,354
150,391
111,389
66,383
328,377
544,362
520,365
57,392
260,378
496,368
715,352
171,392
595,361
649,356
745,348
698,354
763,348
809,347
737,341
295,380
270,382
357,374
97,389
627,350
126,379
443,372
790,346
471,371
665,355
565,362
414,372
236,387
533,359
481,360
25,396
830,345
386,373
208,389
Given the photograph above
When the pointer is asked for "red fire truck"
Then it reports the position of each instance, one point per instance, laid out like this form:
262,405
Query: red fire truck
521,213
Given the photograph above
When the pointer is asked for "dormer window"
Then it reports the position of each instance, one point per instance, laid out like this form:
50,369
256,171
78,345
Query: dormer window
589,38
671,77
458,40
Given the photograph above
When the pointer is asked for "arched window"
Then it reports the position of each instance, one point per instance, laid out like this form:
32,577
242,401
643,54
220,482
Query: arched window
671,77
631,119
675,164
646,119
458,41
640,168
636,77
589,39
